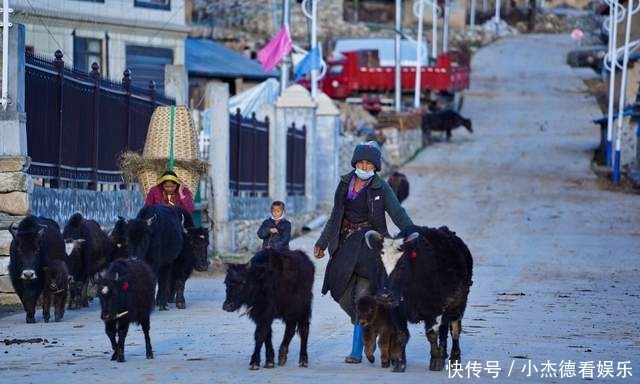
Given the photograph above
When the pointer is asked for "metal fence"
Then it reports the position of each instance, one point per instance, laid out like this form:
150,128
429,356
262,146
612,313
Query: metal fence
249,155
296,155
79,123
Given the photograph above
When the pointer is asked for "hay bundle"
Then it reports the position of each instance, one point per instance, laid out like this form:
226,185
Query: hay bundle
163,139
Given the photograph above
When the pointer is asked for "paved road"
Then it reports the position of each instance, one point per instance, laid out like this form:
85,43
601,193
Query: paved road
556,257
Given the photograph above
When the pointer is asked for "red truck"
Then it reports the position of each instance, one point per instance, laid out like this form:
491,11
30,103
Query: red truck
348,76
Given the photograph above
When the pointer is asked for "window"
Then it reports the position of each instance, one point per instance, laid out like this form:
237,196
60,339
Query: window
86,52
157,4
92,1
146,64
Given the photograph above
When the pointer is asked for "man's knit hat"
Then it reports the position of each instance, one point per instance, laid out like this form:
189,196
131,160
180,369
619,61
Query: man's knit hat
369,151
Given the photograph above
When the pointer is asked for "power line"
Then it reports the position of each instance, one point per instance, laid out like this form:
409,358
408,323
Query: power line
45,26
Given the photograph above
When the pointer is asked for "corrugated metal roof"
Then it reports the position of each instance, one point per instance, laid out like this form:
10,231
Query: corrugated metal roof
210,59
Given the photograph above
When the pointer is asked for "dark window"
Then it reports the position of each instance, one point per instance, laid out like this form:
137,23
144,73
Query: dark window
146,64
157,4
86,52
92,1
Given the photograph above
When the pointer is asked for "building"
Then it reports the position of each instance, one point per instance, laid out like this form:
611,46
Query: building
142,35
208,61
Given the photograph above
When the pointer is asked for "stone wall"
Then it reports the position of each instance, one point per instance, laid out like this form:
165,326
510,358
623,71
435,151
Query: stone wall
399,147
246,240
15,186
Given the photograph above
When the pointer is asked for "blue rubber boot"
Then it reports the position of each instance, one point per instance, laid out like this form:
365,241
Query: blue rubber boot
355,357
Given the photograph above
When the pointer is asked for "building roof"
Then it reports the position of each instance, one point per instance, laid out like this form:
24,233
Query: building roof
209,59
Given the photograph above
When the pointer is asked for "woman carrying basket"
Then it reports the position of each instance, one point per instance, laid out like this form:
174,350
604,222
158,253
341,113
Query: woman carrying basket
170,191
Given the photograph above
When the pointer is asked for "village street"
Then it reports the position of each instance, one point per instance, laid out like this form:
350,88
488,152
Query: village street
555,258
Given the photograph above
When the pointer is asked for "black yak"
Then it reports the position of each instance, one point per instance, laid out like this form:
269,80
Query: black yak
89,253
126,292
400,185
386,324
36,241
431,271
56,286
277,287
193,256
442,121
118,238
156,236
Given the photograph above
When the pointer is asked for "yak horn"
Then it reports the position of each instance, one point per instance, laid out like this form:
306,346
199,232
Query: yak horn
119,315
411,237
246,311
367,237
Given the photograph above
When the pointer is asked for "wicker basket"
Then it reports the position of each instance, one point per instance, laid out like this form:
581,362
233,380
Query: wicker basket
185,137
158,146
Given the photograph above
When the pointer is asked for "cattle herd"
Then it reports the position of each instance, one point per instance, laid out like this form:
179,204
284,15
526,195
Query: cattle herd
145,262
160,246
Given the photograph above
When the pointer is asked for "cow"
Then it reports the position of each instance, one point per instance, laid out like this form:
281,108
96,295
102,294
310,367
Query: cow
278,287
56,286
400,185
193,256
36,241
118,239
126,292
431,271
89,251
386,324
442,121
156,236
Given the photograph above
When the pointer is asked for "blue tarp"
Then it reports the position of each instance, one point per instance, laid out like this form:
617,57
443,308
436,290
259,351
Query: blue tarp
210,59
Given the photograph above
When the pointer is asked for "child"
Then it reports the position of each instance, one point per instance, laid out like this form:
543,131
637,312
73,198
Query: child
275,231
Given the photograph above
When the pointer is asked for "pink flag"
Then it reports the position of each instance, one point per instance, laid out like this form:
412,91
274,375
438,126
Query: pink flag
271,54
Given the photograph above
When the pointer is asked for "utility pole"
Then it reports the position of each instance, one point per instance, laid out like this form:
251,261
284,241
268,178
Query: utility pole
621,98
418,86
445,32
398,80
5,54
284,67
314,44
472,18
434,29
497,16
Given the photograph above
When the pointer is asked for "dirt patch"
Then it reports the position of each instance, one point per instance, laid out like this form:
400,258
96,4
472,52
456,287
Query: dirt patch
35,340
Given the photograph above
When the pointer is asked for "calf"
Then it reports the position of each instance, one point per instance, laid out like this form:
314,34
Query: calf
36,241
56,285
388,326
279,288
89,253
400,185
126,292
156,236
431,271
193,256
442,121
